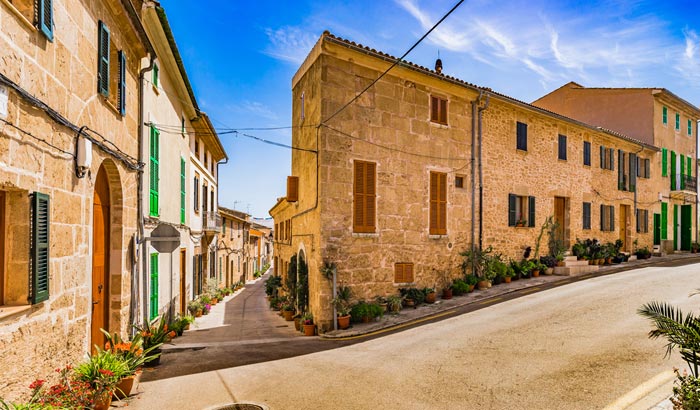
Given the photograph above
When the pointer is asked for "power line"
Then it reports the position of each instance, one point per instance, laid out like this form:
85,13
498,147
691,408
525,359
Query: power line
398,60
29,134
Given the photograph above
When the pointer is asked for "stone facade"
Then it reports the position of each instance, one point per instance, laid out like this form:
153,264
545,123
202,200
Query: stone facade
233,250
392,126
37,146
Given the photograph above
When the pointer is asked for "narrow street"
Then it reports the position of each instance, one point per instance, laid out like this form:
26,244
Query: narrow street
579,346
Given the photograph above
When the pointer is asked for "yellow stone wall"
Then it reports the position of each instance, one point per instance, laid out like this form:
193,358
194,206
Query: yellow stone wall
36,339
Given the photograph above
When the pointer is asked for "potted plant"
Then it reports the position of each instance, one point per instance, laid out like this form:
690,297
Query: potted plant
133,354
395,302
460,287
471,281
643,253
288,310
195,308
68,392
429,295
102,371
154,334
412,296
343,311
307,319
694,247
381,301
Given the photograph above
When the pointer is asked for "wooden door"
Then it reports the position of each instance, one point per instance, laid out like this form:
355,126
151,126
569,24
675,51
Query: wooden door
100,260
183,288
560,219
624,209
686,226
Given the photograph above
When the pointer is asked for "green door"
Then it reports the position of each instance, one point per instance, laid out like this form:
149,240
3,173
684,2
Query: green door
675,227
686,226
657,229
154,287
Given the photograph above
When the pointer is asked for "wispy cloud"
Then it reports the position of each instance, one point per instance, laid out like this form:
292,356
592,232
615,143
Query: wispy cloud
253,108
689,65
290,44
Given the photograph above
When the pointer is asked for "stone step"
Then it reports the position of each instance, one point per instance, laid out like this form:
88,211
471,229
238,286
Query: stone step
570,259
574,270
576,263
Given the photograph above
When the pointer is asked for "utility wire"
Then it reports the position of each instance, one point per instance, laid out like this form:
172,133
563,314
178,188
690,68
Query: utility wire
29,134
398,60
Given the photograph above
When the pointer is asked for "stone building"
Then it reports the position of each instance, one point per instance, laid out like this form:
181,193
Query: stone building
422,166
233,249
178,160
658,117
69,99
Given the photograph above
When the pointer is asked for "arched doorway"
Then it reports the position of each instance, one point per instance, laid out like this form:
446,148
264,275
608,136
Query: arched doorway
100,259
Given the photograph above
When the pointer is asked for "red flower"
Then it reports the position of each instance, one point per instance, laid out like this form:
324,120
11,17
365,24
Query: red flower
106,372
37,384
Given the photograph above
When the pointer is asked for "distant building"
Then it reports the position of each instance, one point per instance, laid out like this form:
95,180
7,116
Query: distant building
232,246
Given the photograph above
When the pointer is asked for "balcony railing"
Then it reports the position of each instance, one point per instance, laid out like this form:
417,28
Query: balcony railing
211,221
686,183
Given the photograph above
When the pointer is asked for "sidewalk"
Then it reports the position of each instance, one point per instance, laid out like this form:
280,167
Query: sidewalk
408,316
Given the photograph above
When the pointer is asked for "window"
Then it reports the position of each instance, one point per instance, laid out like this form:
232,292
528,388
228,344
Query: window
154,287
438,203
607,158
643,168
626,171
38,13
364,197
438,110
154,170
195,191
678,122
521,210
690,127
182,127
562,147
521,135
212,202
111,70
155,75
586,215
459,181
39,262
664,115
642,220
223,226
182,191
673,171
664,162
403,272
205,197
121,101
196,148
586,153
292,189
607,218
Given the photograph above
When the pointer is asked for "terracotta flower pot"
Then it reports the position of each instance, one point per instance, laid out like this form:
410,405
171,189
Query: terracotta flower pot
125,387
343,322
430,297
103,401
482,284
535,273
198,313
447,293
288,315
297,323
309,330
506,279
471,287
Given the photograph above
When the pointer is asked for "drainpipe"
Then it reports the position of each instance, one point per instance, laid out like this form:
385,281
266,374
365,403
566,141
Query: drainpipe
481,175
139,200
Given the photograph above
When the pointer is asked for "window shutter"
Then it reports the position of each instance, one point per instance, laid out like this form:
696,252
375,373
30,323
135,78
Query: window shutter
183,194
370,196
511,209
562,147
602,217
364,197
586,153
620,171
443,111
521,135
434,109
633,172
154,170
531,211
122,83
195,193
438,203
154,286
602,157
664,162
681,159
103,60
41,212
637,217
689,168
292,188
647,168
612,218
664,115
611,158
586,215
664,220
442,204
45,14
673,170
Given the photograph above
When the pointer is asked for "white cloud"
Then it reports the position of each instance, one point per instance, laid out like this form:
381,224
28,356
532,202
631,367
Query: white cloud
290,44
255,108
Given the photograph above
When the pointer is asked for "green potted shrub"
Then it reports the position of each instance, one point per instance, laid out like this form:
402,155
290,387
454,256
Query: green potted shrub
471,281
395,302
643,253
429,295
460,287
342,306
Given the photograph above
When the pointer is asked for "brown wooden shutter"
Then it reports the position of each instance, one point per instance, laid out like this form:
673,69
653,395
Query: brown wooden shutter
364,197
403,273
434,110
292,189
438,203
443,111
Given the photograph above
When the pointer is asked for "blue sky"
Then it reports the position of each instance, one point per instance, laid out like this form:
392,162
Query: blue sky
240,57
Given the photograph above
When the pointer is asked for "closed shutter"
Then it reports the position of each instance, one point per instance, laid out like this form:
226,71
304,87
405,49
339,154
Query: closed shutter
154,286
531,211
511,209
434,109
154,171
611,159
586,215
182,190
41,213
602,217
562,147
438,203
682,161
673,170
664,115
633,172
664,220
195,194
638,219
586,153
365,197
122,83
103,60
664,162
292,188
612,218
521,136
403,273
443,111
647,168
689,167
45,15
602,157
621,170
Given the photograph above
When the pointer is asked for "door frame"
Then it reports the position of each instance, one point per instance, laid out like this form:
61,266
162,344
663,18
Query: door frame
101,195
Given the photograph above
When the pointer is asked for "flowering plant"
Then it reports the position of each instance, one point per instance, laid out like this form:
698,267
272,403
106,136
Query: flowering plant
132,353
102,371
154,335
67,393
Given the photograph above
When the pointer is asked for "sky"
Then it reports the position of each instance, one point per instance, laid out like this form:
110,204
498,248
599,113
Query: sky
240,57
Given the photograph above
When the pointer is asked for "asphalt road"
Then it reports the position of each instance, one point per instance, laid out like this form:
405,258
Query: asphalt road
578,346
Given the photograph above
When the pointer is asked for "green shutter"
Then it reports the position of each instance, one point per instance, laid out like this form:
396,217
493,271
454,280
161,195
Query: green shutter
689,167
675,226
664,114
155,75
154,168
122,83
154,286
690,127
633,172
182,191
673,170
682,161
511,209
664,162
531,211
678,121
664,220
103,60
45,16
41,213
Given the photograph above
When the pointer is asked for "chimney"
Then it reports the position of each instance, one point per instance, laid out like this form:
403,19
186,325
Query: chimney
438,66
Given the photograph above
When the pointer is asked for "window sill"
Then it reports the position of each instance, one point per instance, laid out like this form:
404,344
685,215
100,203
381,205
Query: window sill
431,236
19,15
523,227
365,235
440,124
403,284
7,311
111,106
521,151
156,89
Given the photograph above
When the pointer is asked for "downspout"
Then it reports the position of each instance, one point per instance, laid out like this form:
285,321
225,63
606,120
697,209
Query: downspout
139,199
473,172
481,176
